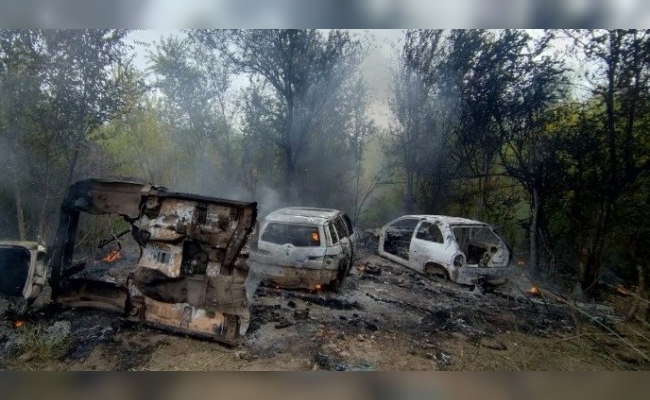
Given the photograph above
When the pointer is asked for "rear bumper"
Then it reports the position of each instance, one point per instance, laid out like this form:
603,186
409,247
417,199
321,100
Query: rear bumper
289,276
471,275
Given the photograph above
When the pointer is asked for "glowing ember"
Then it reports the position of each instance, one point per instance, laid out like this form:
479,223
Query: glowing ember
622,290
19,323
521,263
115,255
534,290
318,287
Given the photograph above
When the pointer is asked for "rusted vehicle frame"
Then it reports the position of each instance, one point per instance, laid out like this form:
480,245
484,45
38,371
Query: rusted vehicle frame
190,276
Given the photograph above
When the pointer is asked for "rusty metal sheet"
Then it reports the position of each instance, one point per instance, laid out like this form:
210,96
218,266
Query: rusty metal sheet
189,276
187,319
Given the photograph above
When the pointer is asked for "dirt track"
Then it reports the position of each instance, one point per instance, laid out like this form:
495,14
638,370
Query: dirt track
385,317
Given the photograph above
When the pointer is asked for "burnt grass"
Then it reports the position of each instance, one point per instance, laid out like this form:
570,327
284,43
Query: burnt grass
377,298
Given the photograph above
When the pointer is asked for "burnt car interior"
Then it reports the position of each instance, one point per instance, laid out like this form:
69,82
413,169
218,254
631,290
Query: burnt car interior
184,270
478,243
398,237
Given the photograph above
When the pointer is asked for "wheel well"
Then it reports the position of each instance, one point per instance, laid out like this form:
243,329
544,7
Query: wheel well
432,268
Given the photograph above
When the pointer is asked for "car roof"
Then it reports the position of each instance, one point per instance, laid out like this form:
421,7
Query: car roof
445,219
302,214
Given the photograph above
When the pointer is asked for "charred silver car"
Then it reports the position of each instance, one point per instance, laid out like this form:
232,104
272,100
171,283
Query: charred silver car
303,247
462,250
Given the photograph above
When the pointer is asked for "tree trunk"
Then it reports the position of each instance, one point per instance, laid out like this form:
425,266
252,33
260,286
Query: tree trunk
534,231
590,260
638,296
20,214
40,230
73,164
546,241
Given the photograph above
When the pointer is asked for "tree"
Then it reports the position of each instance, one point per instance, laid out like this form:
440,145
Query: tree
524,114
84,81
20,74
422,121
302,73
618,112
198,108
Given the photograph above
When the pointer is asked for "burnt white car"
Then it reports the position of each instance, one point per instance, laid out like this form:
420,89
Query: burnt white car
462,250
303,247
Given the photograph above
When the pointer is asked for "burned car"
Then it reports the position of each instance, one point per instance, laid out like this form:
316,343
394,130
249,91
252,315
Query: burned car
23,268
184,271
462,250
303,247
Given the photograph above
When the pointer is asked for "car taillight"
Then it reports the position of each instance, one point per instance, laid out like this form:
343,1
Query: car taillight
315,237
459,260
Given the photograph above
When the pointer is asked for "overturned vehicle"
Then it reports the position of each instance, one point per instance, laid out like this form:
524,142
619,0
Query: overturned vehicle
182,266
462,250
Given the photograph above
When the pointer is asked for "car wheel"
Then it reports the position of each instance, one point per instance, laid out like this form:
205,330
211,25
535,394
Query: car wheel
335,285
349,266
436,272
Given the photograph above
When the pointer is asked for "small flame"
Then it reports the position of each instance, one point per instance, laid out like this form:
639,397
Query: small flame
317,287
534,290
622,290
115,255
19,323
521,263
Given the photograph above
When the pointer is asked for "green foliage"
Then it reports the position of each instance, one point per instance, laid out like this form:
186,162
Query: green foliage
35,344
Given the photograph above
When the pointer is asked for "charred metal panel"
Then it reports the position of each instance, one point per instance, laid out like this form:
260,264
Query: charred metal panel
189,276
292,277
94,294
162,257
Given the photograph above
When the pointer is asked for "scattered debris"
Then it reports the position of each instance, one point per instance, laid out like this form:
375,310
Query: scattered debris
396,319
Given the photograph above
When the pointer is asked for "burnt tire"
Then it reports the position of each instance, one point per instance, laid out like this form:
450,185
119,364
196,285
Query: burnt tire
436,272
349,266
342,272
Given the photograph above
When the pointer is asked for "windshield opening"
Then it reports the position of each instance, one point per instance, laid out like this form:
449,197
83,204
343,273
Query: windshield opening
297,235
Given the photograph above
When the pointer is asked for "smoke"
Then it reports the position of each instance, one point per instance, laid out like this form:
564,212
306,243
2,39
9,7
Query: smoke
334,14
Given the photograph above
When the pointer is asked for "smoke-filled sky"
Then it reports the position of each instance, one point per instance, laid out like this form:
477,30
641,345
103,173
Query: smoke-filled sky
325,13
377,67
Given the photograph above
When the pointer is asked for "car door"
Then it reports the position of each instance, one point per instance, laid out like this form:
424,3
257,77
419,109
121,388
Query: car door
427,245
344,238
395,239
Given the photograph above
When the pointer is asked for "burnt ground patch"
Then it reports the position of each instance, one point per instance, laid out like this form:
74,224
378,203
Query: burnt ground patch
326,301
392,319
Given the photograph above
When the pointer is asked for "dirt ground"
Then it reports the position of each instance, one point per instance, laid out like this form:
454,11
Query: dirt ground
384,317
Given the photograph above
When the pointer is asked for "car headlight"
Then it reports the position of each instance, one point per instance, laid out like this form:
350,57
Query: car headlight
459,260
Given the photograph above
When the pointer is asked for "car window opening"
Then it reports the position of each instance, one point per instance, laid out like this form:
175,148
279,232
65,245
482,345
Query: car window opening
297,235
479,244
